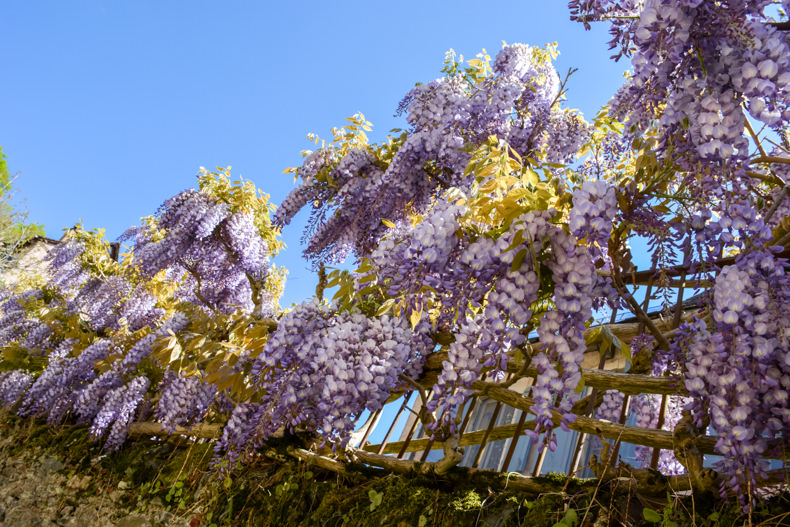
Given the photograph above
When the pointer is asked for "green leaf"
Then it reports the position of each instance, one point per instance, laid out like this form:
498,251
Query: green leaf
518,259
593,336
175,353
626,351
422,522
388,223
375,499
651,515
580,387
518,357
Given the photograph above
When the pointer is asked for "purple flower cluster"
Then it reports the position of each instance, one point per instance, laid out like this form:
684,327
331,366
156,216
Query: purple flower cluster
693,63
479,290
55,391
139,310
66,267
308,192
12,385
15,321
39,338
46,390
88,401
143,347
239,436
217,254
182,400
105,302
611,407
249,249
223,254
738,370
69,384
352,193
422,252
592,216
761,71
117,412
646,408
561,330
320,370
100,300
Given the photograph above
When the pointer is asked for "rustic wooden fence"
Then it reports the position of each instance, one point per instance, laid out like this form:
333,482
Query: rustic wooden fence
495,419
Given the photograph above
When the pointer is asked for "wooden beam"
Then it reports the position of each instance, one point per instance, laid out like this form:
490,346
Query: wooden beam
662,439
201,430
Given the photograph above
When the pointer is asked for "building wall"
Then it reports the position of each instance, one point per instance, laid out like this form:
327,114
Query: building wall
31,261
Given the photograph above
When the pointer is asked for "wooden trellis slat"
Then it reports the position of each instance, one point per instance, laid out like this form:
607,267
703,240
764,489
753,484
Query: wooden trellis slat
514,441
627,434
403,407
487,435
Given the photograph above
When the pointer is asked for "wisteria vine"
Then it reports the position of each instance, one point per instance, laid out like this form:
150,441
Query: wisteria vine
478,233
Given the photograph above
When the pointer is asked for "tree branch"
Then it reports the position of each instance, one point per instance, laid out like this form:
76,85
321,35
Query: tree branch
636,309
770,159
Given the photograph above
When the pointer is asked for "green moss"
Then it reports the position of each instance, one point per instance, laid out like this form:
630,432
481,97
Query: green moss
552,478
290,494
40,434
468,501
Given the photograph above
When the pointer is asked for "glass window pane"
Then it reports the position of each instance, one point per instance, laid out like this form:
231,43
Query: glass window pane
559,460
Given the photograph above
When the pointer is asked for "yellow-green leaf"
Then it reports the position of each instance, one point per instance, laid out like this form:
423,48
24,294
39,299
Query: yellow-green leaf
386,306
415,317
531,177
593,336
175,353
651,515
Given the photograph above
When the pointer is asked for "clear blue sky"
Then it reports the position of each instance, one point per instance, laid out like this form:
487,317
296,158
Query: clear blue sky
108,108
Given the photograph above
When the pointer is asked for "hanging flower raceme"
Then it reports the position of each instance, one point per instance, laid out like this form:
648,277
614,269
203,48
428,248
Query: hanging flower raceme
357,188
216,250
592,215
476,287
320,370
98,323
118,411
183,400
738,370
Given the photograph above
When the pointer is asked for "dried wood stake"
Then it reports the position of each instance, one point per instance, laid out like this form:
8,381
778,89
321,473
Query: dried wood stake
514,442
484,442
403,406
